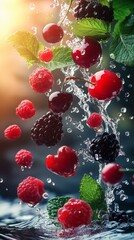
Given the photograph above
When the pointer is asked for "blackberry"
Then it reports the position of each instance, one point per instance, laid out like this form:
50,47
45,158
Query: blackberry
104,148
88,9
120,217
47,129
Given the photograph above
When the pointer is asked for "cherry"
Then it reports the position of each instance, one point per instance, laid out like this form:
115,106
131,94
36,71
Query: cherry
105,85
94,120
60,102
88,54
45,55
52,33
64,163
111,174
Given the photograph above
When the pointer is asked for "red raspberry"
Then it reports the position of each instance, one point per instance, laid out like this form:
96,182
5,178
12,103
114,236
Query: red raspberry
12,132
74,213
94,120
30,190
46,55
41,80
111,174
25,110
24,158
64,163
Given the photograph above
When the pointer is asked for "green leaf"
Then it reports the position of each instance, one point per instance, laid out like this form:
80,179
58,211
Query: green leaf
122,9
105,2
91,27
27,46
122,43
62,58
92,192
54,204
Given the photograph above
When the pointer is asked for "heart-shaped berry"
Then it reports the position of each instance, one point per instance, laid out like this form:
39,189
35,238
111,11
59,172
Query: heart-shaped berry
64,163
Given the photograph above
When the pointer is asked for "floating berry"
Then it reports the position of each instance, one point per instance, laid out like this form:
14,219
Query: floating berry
25,110
94,120
24,158
47,129
64,163
93,9
60,102
104,148
41,80
12,132
111,174
30,190
46,55
75,213
52,33
88,54
105,85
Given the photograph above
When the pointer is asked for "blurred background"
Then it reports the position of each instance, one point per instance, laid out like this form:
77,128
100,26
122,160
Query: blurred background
32,16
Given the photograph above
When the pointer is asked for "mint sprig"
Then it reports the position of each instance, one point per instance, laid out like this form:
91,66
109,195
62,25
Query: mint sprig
91,27
92,193
122,9
54,204
27,46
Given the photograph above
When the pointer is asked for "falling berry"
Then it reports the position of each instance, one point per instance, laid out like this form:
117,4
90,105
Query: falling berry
24,158
94,120
111,174
46,55
12,132
25,110
52,33
88,54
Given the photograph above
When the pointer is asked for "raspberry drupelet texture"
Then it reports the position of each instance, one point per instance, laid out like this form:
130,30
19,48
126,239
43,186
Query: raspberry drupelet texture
75,213
94,120
104,148
93,9
30,190
41,80
46,55
64,163
47,129
25,110
12,132
24,158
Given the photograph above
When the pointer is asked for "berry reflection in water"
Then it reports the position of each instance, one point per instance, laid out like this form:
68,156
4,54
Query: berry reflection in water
103,86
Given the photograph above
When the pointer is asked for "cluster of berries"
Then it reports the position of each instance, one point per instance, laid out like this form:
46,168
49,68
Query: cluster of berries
103,86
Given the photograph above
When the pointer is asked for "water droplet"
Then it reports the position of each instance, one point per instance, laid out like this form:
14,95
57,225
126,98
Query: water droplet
45,195
128,76
130,85
123,110
127,94
127,159
123,197
127,134
1,180
32,6
49,180
69,130
53,183
58,82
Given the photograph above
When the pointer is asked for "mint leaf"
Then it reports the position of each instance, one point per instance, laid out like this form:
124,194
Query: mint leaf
122,9
27,46
62,58
54,204
105,3
91,27
92,193
122,43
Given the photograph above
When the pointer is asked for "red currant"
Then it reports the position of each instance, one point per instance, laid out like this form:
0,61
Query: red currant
88,54
52,33
46,55
111,174
105,85
60,101
94,120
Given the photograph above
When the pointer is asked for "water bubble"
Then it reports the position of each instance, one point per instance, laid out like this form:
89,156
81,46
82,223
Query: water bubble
123,110
58,82
1,180
131,118
123,197
127,94
123,68
127,134
127,159
45,195
69,130
128,76
53,183
130,85
49,180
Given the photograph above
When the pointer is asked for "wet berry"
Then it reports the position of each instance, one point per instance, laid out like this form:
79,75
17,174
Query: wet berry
47,129
46,55
41,80
93,9
25,110
104,148
30,190
24,158
64,163
94,120
12,132
59,102
111,174
75,213
120,217
105,85
52,33
88,53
